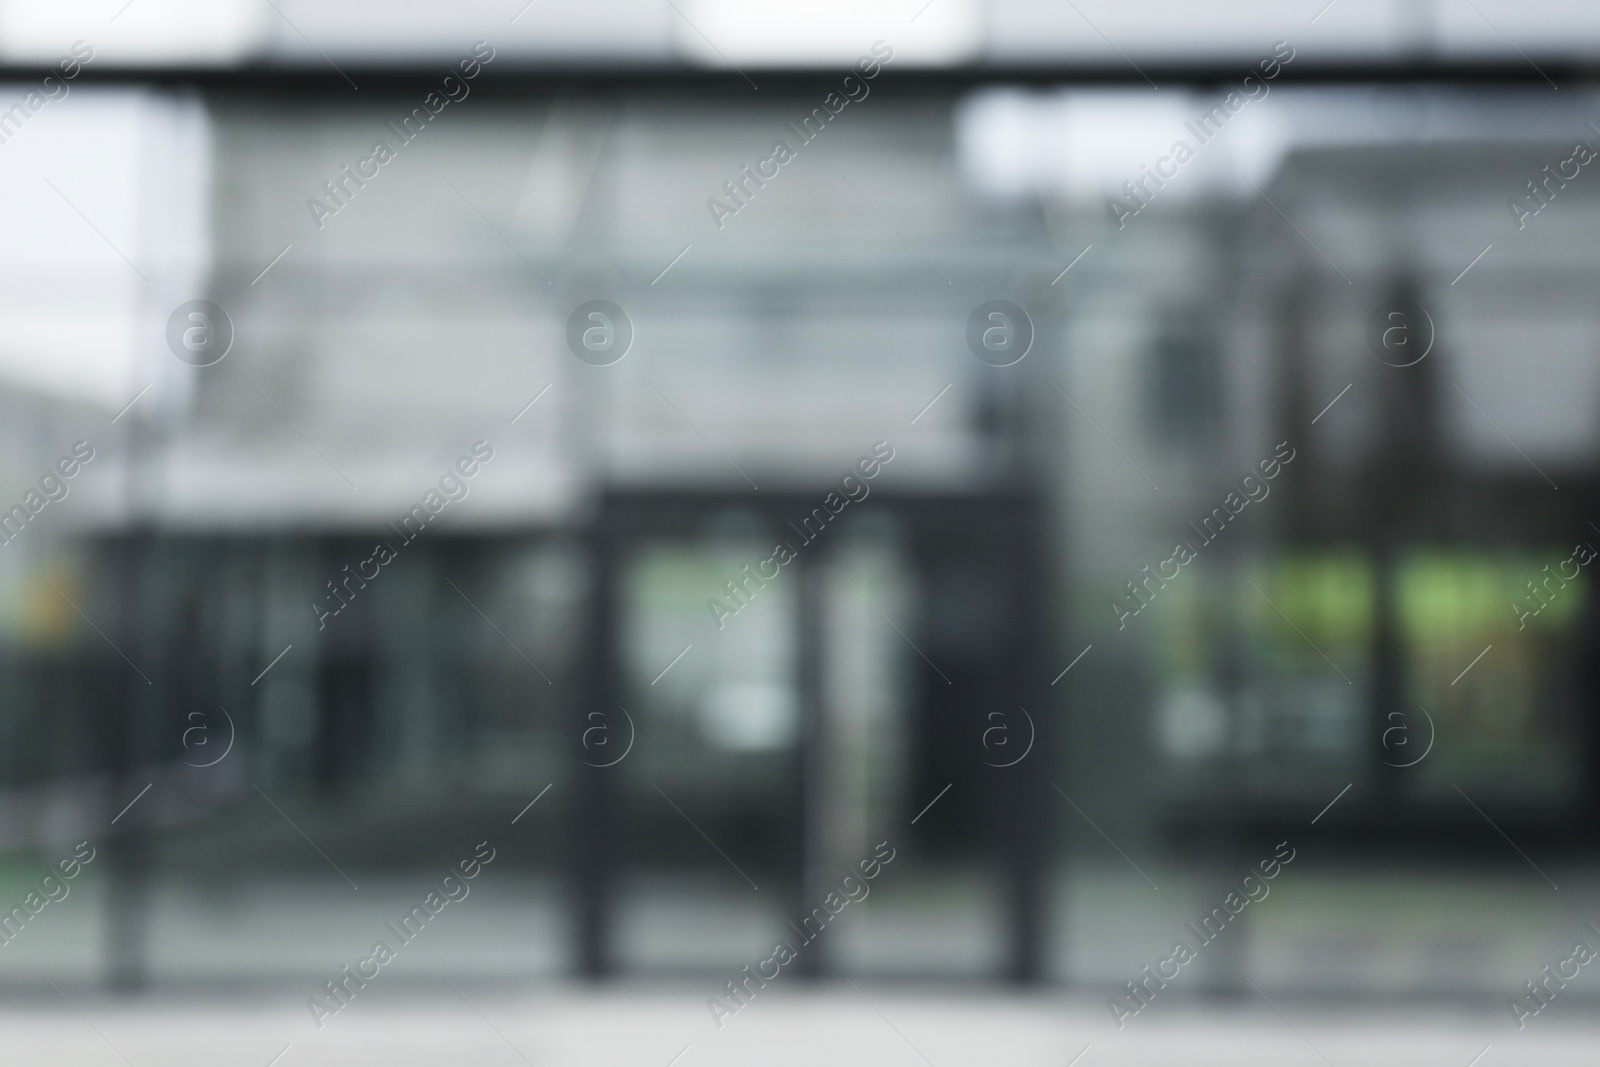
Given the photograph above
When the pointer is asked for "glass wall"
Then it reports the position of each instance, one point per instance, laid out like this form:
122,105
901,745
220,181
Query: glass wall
1230,555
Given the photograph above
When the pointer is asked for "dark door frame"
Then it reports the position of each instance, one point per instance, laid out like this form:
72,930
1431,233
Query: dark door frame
948,525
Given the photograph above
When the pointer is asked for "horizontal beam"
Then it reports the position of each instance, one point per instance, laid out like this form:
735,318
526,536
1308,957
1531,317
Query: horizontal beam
511,77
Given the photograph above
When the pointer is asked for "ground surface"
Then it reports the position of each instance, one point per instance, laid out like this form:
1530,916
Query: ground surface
833,1023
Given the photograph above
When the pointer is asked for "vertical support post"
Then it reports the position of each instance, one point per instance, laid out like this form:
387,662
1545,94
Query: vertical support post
128,859
1021,790
810,821
592,815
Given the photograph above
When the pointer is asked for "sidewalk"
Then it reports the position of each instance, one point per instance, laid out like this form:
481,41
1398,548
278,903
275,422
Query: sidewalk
884,1026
